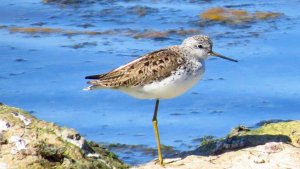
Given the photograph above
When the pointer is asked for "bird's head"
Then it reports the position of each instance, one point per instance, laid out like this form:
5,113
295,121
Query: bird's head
202,47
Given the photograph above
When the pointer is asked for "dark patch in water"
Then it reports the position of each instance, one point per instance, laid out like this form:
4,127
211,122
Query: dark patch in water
20,60
139,135
81,45
238,6
104,126
265,122
176,114
217,112
38,24
194,112
178,141
86,25
142,10
32,112
16,74
211,79
32,50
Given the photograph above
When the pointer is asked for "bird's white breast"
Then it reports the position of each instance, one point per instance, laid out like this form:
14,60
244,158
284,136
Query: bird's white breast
179,82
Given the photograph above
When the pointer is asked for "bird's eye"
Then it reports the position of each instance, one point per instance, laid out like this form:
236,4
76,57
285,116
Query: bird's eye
200,46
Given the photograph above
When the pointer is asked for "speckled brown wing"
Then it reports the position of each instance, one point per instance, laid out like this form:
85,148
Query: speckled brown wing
144,70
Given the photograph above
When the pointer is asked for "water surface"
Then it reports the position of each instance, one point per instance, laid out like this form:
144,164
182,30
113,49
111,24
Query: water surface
44,73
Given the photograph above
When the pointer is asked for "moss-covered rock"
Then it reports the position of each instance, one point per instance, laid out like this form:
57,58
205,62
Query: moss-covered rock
272,145
26,142
241,137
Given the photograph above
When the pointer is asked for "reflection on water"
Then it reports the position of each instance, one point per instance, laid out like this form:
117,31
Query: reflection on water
43,67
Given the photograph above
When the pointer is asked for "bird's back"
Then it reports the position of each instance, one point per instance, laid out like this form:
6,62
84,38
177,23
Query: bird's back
144,70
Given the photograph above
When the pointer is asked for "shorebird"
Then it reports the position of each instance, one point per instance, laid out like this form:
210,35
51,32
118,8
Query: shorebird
162,74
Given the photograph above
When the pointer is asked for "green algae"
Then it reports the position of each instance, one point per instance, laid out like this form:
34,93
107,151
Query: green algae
242,137
289,129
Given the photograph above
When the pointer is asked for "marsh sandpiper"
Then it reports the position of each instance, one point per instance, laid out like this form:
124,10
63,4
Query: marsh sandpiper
162,74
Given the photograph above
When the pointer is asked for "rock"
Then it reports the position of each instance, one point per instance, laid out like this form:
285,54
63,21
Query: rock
274,145
19,144
25,120
3,125
26,142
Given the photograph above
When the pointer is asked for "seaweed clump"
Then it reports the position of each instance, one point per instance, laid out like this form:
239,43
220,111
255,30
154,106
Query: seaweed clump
234,16
143,34
65,2
161,35
45,30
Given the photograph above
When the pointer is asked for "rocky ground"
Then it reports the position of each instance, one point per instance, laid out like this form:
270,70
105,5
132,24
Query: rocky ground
273,145
270,155
26,142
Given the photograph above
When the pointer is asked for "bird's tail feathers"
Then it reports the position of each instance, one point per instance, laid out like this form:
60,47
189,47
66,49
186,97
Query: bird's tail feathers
95,76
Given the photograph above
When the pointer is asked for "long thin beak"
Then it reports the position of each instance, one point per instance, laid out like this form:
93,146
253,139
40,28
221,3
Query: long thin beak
221,56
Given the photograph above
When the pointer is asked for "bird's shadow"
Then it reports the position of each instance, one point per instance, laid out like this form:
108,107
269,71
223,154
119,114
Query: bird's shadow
233,143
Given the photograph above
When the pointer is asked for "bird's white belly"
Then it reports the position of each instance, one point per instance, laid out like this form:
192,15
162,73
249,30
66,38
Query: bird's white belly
169,87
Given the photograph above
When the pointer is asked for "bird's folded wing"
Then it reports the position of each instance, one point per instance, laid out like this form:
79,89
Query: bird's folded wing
145,70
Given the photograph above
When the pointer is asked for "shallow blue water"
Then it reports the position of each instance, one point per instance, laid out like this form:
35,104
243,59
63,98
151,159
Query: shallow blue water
264,85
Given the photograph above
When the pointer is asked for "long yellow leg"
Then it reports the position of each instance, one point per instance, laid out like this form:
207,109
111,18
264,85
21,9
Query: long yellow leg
154,121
